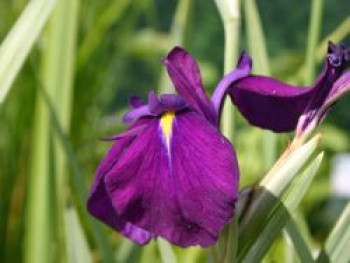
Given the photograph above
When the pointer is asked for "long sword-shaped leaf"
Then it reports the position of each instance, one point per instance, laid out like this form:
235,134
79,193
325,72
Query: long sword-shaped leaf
285,205
78,183
58,74
77,246
20,40
298,241
337,244
270,188
166,252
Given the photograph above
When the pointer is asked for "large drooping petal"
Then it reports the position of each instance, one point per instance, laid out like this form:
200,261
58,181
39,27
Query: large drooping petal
99,203
269,103
274,105
184,190
185,75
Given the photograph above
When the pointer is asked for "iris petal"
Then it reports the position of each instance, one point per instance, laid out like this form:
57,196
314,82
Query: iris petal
274,105
99,203
186,195
269,103
185,75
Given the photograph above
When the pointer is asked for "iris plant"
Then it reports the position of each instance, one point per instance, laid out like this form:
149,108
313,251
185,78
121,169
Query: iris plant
271,104
172,173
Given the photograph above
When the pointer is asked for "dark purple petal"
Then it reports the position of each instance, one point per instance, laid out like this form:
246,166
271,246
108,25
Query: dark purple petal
184,191
99,203
136,102
273,105
269,103
185,75
243,69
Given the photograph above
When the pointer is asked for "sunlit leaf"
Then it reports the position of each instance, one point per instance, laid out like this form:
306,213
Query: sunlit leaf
336,248
77,246
20,40
279,215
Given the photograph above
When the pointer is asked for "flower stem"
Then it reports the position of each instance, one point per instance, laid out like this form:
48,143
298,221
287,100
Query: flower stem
313,37
230,15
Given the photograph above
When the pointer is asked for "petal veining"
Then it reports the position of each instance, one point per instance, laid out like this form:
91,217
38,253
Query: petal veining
187,198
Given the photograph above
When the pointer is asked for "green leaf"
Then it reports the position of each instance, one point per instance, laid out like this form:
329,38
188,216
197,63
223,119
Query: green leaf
279,215
269,190
166,252
336,248
298,241
77,246
58,77
19,41
78,182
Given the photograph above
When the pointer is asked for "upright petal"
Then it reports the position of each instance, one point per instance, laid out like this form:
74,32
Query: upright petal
243,69
99,203
185,75
184,191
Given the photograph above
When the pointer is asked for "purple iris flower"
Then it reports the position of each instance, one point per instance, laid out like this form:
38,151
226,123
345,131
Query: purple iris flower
271,104
172,173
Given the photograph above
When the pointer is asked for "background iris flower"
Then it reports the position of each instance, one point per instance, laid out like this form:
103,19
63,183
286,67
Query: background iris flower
172,173
271,104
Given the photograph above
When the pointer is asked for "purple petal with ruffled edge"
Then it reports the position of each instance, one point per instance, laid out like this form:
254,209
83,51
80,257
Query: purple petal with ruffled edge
185,75
184,191
99,203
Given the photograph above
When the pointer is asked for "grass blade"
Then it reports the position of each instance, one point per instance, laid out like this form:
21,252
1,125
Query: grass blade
298,242
20,40
337,244
78,182
272,186
285,205
77,247
166,252
58,74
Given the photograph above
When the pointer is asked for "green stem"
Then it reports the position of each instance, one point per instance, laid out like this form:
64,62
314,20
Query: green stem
313,38
230,15
231,27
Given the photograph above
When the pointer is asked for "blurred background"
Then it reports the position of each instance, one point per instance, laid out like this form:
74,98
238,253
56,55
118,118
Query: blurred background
91,56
